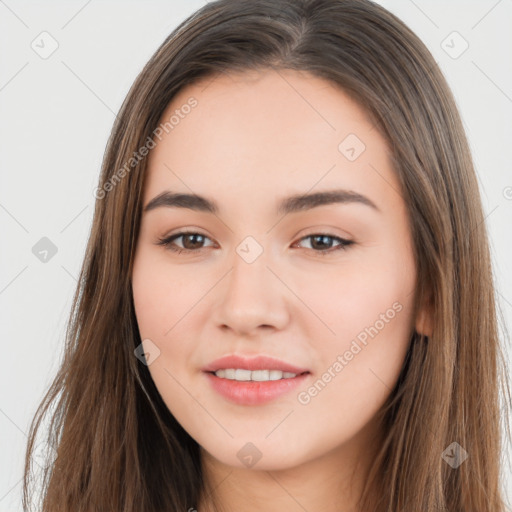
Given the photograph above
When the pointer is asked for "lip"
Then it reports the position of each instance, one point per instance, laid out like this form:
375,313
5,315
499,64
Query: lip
253,392
253,363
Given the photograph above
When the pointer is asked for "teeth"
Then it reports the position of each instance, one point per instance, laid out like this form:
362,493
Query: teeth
242,374
256,375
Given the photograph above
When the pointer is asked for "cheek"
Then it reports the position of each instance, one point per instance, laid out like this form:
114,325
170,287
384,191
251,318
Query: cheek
162,294
370,312
163,299
351,296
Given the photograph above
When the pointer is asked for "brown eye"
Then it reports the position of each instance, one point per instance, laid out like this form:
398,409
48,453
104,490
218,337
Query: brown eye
322,243
192,242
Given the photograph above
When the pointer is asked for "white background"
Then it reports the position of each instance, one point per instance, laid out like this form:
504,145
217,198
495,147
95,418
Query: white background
56,115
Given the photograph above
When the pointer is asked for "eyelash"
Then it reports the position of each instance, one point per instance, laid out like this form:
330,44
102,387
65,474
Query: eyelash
168,241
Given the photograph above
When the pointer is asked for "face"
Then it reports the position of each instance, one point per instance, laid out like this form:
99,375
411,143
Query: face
325,285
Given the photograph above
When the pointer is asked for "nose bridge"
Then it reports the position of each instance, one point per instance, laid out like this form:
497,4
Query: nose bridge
250,277
251,295
251,262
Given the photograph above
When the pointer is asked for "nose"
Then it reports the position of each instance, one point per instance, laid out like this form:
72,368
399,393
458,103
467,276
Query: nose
251,297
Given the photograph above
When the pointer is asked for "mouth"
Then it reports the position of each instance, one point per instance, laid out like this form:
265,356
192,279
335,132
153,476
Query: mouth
253,380
253,392
243,375
260,363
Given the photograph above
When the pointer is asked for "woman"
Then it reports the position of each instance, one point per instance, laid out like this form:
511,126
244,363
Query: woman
287,300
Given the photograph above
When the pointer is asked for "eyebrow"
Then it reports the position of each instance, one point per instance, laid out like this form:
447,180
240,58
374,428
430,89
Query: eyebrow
291,204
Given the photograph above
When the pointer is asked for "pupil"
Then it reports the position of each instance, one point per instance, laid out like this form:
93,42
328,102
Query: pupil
322,238
186,237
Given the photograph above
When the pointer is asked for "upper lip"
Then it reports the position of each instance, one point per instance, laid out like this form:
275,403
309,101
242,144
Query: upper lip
252,363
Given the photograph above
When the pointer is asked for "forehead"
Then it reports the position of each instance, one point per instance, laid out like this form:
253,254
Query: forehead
253,133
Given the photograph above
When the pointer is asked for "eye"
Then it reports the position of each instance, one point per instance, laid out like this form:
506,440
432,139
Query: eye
190,238
322,243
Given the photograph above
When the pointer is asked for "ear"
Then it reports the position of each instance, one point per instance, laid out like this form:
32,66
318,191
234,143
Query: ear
424,319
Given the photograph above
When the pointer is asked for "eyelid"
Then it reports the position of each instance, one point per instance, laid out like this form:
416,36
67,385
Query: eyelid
185,231
327,231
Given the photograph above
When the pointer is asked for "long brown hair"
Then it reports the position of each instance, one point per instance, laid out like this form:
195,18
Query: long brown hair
116,445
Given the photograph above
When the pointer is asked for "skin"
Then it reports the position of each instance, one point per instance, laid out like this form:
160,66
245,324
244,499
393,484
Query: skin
252,139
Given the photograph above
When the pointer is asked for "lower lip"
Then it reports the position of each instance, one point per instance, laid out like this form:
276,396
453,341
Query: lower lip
254,392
